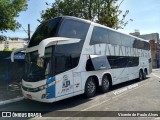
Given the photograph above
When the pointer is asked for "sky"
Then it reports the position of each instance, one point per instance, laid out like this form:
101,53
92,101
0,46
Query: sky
145,15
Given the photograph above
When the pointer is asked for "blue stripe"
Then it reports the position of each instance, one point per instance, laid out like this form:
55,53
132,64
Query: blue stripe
51,89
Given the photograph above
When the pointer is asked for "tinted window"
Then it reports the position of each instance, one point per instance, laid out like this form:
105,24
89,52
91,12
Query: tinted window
147,46
133,61
123,61
114,37
139,44
45,30
73,29
99,35
126,40
36,69
66,57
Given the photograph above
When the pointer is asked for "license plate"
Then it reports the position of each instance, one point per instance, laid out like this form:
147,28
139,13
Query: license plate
29,96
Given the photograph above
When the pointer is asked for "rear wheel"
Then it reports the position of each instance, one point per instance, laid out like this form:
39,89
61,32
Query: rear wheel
90,87
144,75
140,75
105,84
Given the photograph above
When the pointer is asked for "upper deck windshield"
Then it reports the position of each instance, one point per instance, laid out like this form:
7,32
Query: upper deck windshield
60,27
45,30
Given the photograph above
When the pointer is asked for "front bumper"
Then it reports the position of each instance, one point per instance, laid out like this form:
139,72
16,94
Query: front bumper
37,96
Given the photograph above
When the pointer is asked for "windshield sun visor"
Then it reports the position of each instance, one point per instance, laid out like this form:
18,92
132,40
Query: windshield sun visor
54,41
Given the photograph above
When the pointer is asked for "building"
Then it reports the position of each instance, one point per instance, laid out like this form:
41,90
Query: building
152,36
154,44
12,44
155,52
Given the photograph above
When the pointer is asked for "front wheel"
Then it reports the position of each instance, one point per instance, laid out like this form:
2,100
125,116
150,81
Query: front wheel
105,84
90,87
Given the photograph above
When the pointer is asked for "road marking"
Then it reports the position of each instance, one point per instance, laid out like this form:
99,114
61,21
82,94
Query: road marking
155,75
158,118
112,98
11,100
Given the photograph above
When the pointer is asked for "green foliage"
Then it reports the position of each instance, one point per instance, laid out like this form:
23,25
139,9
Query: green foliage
2,38
105,12
9,9
13,49
6,49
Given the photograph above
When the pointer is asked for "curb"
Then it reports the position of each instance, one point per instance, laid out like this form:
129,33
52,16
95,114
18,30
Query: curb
11,100
155,69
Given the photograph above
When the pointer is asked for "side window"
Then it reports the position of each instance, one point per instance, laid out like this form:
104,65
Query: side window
138,44
114,37
133,61
99,35
66,57
126,40
147,46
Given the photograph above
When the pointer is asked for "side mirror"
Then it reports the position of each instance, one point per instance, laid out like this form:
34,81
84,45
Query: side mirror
16,51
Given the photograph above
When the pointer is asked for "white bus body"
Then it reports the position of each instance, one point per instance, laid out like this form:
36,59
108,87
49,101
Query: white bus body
106,57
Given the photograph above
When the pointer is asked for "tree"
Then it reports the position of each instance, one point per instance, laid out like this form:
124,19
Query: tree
2,38
14,49
9,10
105,12
6,49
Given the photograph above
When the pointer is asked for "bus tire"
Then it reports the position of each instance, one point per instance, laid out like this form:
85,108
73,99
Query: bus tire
105,84
144,75
90,87
140,75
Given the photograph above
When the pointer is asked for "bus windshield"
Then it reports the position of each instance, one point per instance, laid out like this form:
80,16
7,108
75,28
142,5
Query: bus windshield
45,30
37,68
59,27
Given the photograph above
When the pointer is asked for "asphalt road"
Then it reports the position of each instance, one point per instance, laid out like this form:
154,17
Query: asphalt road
129,96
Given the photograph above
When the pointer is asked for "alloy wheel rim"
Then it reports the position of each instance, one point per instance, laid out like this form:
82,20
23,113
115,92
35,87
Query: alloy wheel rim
105,83
91,87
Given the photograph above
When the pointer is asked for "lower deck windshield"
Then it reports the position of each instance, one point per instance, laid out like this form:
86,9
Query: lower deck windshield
37,68
57,59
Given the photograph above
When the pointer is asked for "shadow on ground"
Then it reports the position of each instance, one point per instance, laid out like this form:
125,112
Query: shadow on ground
46,108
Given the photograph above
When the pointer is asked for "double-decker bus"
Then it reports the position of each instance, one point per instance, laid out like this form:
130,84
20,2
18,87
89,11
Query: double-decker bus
68,56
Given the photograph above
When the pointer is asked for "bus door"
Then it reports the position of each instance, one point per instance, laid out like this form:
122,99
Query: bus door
64,76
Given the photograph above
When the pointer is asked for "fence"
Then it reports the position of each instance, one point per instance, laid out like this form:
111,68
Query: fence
11,73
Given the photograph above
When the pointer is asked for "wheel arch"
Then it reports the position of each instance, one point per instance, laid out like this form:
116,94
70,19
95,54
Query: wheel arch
145,69
141,69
